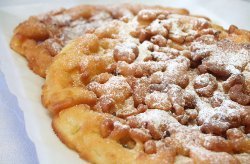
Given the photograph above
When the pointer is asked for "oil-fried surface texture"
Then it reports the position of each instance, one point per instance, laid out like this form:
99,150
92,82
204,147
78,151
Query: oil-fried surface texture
75,128
42,37
156,88
81,129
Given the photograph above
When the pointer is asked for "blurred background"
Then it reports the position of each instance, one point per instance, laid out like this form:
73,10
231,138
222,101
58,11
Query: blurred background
234,11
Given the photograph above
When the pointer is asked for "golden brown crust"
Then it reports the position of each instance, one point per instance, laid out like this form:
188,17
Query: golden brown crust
79,128
75,128
39,58
162,87
69,96
87,132
31,37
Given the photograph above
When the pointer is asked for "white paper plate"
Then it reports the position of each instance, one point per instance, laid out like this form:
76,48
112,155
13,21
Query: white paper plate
26,86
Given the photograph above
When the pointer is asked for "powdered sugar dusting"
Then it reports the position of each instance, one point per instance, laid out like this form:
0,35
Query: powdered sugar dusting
202,80
120,125
158,118
158,100
164,103
181,25
224,116
61,20
229,56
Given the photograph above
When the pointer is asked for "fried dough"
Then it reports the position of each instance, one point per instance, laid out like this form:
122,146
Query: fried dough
40,38
142,84
159,88
79,128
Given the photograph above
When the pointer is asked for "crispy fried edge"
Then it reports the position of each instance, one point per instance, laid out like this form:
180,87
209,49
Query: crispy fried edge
110,151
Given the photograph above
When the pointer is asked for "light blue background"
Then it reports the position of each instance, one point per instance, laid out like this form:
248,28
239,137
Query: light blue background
15,146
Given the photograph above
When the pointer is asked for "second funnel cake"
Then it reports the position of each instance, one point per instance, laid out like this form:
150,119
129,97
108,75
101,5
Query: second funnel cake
40,38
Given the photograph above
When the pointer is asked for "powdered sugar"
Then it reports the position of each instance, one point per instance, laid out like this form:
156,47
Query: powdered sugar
229,56
180,25
61,20
158,118
119,125
158,100
79,27
223,117
118,84
156,27
202,80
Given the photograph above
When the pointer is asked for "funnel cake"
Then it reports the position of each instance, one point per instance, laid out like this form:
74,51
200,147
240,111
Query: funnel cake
40,38
159,88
